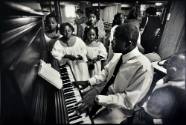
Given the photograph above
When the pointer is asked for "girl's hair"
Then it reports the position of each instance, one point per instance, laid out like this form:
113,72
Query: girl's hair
87,30
116,20
62,27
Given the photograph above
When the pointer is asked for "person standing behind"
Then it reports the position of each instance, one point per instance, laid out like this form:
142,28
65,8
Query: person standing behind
165,103
51,35
118,20
71,50
151,30
175,66
79,21
132,18
51,30
94,21
96,52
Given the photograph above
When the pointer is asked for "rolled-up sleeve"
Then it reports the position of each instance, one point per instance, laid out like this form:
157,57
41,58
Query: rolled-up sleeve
97,79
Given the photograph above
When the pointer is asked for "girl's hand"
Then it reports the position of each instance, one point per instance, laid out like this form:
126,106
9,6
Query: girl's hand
71,57
79,57
99,57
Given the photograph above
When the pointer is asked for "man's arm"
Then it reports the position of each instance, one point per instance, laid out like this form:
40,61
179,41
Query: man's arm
136,90
97,79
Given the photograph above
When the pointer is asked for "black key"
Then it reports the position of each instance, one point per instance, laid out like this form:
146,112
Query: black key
70,100
69,96
63,71
67,85
64,74
68,90
71,107
70,111
65,77
74,117
73,101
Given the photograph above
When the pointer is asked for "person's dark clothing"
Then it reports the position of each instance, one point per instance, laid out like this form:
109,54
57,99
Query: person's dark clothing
148,37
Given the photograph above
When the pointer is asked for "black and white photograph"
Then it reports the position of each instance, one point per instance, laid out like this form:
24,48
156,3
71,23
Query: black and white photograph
92,62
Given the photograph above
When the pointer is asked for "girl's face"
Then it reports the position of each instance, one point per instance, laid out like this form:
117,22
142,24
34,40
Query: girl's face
92,19
91,35
52,24
67,32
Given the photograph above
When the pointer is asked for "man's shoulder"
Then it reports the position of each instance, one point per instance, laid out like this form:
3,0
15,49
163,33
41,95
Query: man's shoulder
142,60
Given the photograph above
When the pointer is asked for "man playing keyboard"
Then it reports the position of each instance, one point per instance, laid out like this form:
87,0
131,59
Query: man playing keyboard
133,74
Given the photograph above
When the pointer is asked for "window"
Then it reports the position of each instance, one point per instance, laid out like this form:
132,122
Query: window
70,11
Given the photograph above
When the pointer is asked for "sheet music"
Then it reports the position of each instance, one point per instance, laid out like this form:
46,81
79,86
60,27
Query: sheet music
50,74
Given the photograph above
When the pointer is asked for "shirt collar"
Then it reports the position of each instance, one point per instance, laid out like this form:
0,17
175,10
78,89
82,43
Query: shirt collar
135,52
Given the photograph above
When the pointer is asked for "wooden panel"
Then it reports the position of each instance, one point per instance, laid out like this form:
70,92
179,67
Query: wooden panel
172,36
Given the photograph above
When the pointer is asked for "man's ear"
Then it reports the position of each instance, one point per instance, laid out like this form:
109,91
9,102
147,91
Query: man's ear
130,42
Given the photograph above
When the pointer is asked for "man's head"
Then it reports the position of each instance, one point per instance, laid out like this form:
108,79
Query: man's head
79,13
93,16
125,38
168,104
175,66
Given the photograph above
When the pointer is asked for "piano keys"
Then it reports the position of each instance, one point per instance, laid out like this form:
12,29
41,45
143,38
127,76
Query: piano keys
72,95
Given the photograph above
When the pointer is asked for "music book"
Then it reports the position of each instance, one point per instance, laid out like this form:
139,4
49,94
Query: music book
158,67
47,72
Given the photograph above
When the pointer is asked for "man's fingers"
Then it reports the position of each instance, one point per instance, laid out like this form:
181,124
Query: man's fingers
81,107
83,91
78,103
75,84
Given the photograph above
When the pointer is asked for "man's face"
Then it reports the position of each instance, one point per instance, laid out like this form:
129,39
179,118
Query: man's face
118,45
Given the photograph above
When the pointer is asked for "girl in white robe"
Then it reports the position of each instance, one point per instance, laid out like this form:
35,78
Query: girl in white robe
71,50
96,52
